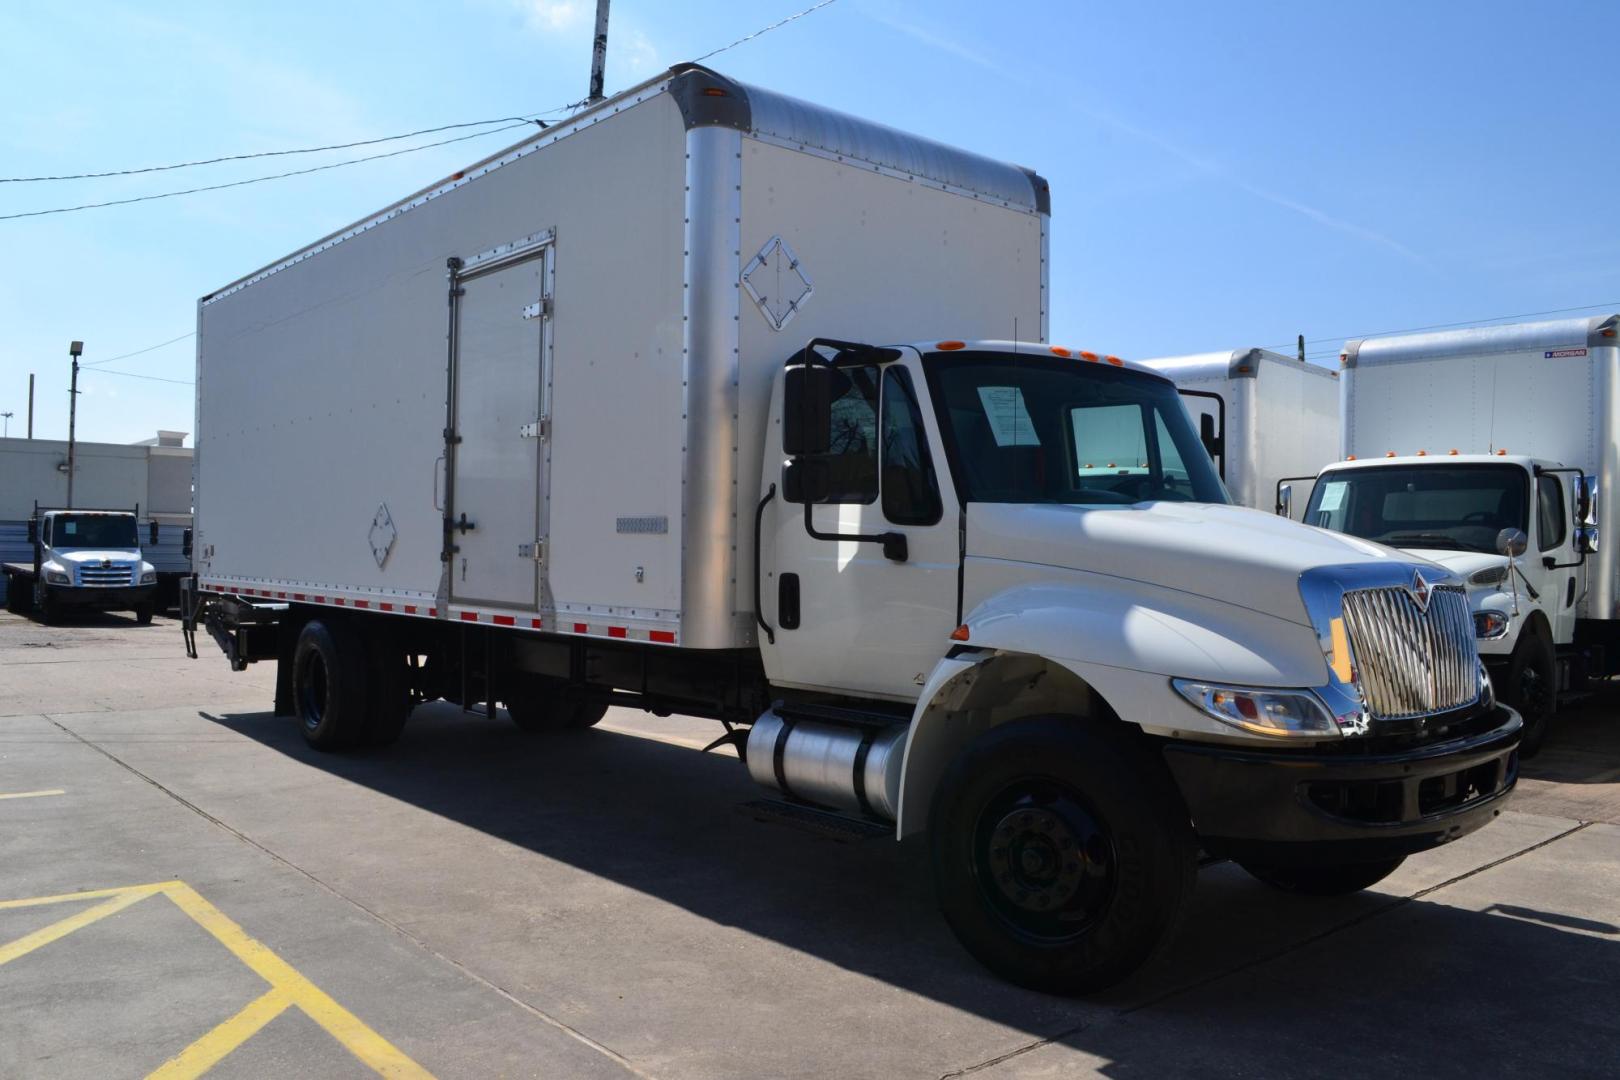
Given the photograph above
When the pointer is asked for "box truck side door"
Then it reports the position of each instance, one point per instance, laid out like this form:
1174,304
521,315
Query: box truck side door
494,501
862,615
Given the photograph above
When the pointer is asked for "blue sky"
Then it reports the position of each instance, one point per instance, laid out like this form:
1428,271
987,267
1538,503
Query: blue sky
1223,174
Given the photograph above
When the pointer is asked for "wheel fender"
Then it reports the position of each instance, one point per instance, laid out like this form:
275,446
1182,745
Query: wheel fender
1099,647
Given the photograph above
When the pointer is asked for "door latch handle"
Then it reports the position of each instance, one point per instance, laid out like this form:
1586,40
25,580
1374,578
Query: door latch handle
463,525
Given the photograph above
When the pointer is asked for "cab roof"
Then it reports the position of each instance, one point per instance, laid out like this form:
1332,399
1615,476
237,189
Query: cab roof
1035,348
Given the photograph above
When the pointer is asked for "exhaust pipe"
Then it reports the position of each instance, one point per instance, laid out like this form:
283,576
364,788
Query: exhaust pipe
855,769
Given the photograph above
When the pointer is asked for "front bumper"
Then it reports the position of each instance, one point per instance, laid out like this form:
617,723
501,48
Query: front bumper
1301,807
99,596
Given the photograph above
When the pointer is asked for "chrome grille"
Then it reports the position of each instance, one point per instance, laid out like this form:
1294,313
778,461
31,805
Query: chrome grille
1412,662
96,574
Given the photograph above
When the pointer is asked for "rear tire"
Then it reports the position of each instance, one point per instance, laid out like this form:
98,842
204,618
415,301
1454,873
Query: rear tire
1062,855
1333,880
329,685
539,704
1531,687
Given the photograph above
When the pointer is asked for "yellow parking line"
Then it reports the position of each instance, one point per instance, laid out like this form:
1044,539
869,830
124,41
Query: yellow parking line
339,1022
33,794
288,988
212,1048
62,928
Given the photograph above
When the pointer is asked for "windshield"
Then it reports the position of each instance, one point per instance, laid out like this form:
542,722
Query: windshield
1449,507
93,531
1040,429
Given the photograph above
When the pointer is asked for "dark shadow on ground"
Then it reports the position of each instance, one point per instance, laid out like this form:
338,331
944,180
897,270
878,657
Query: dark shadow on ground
666,821
1583,746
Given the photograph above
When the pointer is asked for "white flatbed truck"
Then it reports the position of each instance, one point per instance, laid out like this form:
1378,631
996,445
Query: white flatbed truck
1509,486
591,423
83,560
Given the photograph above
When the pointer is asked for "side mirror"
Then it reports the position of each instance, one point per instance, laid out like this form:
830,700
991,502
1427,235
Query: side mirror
1209,436
1586,539
152,533
1586,491
807,411
1285,500
185,543
1511,542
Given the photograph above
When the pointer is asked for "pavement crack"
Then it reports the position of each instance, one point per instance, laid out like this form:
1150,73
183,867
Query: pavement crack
539,1014
1396,903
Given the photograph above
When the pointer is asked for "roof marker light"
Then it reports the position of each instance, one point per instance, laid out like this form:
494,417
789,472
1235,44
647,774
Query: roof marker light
714,91
950,346
1453,451
960,633
1502,452
1244,369
1422,453
1389,453
1058,350
1085,355
1349,457
1116,361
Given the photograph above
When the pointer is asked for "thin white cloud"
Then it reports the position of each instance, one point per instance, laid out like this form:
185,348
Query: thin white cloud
938,40
553,15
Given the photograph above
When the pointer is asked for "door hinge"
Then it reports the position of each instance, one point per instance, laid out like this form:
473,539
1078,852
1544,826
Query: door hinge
535,551
540,309
539,429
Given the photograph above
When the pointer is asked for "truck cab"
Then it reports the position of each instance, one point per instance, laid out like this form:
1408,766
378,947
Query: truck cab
89,559
1516,529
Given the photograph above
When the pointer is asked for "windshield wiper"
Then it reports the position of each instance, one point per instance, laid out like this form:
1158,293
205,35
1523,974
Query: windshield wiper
1428,540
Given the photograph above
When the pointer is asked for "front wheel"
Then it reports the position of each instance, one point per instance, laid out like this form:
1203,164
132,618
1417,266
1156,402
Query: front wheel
1531,687
143,614
1335,879
1061,856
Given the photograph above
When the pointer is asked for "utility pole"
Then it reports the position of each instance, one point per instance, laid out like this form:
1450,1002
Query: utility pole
599,53
1302,348
30,404
75,348
6,434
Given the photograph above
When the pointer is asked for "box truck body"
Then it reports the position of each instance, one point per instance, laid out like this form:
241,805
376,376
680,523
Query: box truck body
1278,417
1452,438
715,402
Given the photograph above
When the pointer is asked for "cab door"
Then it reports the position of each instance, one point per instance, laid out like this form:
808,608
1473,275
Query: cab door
1555,561
865,598
501,336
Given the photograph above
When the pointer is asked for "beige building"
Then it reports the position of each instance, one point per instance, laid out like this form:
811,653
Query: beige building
154,474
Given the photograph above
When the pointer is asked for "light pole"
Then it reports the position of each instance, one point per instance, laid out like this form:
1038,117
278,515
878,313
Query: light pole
75,348
6,434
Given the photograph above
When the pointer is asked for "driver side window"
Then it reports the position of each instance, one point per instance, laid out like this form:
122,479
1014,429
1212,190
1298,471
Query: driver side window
1549,513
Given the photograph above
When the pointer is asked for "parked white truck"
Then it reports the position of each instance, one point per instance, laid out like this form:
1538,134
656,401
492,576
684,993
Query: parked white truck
1266,417
591,423
1509,486
83,560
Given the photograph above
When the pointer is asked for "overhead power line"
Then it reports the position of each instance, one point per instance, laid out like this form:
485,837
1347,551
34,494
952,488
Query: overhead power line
765,30
139,352
258,179
275,153
137,375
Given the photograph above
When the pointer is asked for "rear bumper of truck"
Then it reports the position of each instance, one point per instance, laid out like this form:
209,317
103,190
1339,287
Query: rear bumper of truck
1289,807
122,596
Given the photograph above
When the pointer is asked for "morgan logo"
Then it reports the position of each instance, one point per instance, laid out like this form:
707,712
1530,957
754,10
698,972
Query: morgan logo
1421,591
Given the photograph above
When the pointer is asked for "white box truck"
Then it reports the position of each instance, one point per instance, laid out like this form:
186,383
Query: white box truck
592,422
1508,484
1267,417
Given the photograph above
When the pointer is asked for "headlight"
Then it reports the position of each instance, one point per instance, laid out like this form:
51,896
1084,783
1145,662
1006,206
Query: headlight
148,577
1261,712
57,577
1491,575
1490,624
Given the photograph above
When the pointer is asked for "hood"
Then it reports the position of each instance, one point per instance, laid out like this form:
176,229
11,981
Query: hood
1461,563
81,556
1227,553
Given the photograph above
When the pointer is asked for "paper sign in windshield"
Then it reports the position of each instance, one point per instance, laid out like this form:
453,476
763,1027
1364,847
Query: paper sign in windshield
1332,495
1009,419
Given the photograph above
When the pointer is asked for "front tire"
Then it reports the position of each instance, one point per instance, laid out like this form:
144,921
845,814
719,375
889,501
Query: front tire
143,614
1332,880
1061,854
329,685
1531,687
